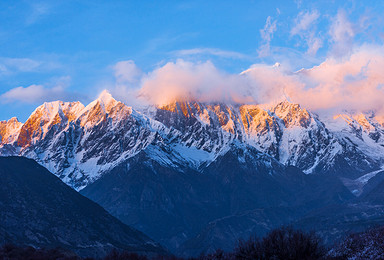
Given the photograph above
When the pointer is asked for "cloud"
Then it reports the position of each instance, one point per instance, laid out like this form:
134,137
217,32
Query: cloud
32,94
211,52
192,81
305,28
342,33
36,94
38,10
304,21
127,82
10,66
127,72
298,3
355,83
314,44
267,34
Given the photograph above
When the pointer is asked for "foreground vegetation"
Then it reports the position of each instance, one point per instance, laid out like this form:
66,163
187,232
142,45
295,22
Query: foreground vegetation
284,243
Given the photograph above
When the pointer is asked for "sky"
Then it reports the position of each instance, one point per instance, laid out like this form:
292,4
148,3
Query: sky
322,54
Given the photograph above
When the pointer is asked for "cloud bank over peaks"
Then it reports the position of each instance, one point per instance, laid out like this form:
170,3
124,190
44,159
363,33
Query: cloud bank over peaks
194,81
204,82
354,82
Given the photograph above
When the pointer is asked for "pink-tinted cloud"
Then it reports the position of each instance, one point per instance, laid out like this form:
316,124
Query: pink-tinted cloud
193,81
356,82
353,83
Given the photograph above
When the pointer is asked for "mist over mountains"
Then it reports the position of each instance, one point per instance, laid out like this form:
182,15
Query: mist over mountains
336,83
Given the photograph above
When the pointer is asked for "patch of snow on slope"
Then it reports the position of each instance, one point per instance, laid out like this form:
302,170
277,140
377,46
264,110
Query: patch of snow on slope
357,186
191,154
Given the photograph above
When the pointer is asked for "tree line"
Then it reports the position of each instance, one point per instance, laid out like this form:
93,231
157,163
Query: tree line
284,243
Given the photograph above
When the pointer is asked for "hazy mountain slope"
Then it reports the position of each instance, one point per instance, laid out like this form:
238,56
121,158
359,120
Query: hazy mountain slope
38,209
175,206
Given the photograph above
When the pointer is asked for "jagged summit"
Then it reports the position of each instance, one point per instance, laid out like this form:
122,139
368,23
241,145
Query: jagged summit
9,130
68,110
106,100
105,106
57,114
13,120
292,114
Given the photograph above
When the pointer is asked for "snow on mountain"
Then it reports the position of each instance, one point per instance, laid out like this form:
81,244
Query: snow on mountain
357,186
80,143
9,130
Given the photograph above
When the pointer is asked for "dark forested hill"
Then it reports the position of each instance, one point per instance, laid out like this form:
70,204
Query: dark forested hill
38,209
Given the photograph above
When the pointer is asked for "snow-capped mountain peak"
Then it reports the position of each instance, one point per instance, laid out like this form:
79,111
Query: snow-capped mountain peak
80,143
106,101
99,109
9,130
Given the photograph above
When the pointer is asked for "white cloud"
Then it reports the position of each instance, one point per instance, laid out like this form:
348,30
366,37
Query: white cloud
127,82
32,94
314,44
212,52
35,94
38,10
298,3
305,28
267,34
127,72
10,65
342,33
304,21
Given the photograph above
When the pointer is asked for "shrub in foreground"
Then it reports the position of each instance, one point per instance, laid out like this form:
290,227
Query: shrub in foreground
283,243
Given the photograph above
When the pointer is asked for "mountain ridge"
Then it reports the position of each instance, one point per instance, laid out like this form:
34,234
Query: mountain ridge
80,142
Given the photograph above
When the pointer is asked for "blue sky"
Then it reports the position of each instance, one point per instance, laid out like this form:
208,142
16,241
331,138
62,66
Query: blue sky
69,50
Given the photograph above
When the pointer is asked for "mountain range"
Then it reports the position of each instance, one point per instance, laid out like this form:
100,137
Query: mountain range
198,176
